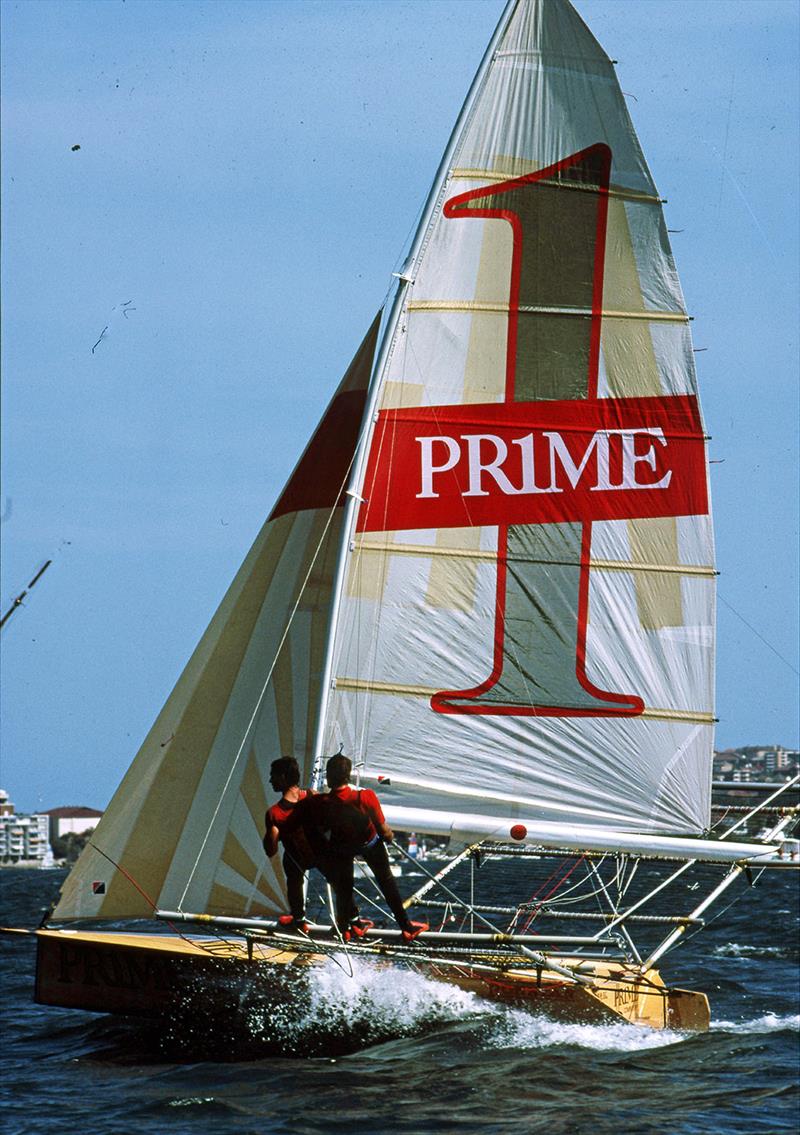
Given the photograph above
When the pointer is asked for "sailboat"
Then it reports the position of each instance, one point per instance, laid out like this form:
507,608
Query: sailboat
489,581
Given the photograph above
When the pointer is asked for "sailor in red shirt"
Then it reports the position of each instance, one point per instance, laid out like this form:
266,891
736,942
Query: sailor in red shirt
282,827
355,825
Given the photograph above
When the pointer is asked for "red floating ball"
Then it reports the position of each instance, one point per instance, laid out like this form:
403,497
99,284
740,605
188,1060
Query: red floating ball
519,831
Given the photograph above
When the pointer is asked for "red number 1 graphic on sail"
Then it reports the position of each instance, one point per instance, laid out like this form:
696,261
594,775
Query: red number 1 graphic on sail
549,459
558,218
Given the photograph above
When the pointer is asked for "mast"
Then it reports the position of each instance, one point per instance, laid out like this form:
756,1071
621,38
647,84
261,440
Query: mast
405,279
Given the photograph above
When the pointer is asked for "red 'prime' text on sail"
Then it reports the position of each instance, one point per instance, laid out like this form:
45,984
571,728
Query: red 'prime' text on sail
535,463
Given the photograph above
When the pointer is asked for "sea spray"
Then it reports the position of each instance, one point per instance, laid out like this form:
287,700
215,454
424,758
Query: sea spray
341,1006
380,1001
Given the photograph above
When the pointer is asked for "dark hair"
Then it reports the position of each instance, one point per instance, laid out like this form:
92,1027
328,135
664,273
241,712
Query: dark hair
337,770
286,770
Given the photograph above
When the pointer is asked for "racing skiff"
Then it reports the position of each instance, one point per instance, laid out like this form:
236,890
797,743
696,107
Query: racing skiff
489,581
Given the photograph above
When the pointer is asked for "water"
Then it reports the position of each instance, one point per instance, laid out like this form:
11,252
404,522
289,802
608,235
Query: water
394,1052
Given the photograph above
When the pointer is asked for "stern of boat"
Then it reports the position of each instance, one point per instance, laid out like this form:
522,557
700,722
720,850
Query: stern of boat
643,999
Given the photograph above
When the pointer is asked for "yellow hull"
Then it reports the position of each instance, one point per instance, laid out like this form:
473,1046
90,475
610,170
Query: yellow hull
616,992
130,973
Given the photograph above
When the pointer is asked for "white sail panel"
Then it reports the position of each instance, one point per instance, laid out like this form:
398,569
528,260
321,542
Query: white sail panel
528,615
184,829
550,92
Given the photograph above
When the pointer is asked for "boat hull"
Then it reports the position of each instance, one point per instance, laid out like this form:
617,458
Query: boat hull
149,974
615,993
141,974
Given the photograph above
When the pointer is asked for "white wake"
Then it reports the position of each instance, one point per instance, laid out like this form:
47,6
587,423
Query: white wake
354,997
768,1023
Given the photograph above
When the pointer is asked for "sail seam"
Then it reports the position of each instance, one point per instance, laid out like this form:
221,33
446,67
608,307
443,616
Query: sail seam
527,309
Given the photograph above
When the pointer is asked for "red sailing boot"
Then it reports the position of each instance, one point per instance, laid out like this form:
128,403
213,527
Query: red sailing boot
413,930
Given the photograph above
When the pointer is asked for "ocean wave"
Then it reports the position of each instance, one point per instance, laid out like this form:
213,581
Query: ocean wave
386,1001
518,1029
768,1023
742,950
372,1003
191,1101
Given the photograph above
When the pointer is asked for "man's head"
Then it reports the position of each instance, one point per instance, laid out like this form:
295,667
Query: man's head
284,773
337,770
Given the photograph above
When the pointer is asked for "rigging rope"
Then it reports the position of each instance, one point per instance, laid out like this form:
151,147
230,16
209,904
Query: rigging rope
128,876
768,644
180,933
552,890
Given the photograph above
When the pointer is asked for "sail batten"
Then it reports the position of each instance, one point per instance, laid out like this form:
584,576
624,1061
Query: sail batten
523,309
373,686
613,190
397,548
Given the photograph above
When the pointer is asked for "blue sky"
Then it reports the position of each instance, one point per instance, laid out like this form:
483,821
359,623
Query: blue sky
248,175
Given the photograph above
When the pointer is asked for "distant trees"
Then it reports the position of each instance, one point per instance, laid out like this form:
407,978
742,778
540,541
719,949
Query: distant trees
69,846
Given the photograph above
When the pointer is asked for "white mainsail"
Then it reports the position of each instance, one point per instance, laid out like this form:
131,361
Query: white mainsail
559,670
512,617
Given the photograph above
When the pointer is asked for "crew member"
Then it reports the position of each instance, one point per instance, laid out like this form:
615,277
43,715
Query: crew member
355,825
282,827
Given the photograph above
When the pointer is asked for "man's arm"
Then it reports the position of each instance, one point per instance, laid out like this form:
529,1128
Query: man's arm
377,816
385,832
271,837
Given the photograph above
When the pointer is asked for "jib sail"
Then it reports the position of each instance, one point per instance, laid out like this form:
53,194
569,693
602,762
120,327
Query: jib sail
184,828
